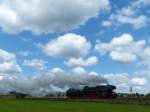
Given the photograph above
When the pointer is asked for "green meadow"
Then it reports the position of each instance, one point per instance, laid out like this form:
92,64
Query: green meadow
67,106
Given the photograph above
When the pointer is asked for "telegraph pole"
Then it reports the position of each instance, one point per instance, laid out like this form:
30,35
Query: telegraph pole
131,90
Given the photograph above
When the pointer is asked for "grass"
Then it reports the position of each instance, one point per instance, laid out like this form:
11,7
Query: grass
65,106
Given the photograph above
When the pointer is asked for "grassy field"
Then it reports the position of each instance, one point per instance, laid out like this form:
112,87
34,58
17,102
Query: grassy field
64,106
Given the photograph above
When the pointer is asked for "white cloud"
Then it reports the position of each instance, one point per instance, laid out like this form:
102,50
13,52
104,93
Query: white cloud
35,63
6,56
24,53
124,81
136,21
124,39
79,71
126,50
145,56
8,64
124,57
121,80
57,70
44,16
93,73
122,49
138,81
129,15
10,67
106,23
81,62
67,46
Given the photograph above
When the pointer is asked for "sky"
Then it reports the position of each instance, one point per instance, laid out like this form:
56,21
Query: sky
49,45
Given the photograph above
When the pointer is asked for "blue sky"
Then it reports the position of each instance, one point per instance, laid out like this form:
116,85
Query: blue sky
110,38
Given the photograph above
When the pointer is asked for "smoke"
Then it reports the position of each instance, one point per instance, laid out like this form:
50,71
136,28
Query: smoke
55,80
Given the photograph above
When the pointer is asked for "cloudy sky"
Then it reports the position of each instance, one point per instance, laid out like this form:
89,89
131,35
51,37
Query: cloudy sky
53,45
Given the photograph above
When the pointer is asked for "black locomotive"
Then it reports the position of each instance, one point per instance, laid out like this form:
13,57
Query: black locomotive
98,92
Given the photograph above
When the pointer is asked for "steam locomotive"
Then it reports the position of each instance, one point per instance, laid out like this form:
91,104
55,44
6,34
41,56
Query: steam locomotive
98,92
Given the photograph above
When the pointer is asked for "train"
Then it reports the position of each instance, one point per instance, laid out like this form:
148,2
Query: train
97,92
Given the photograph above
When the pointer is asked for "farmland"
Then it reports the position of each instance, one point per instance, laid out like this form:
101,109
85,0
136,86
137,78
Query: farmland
12,105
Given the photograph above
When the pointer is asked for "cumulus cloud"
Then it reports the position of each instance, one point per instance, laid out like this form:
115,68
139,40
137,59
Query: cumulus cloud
124,57
67,46
124,81
130,15
81,62
146,57
44,16
79,71
8,64
126,50
35,63
138,81
106,23
24,53
122,49
136,21
6,56
121,80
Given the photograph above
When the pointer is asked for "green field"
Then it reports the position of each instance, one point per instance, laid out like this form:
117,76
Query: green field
64,106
